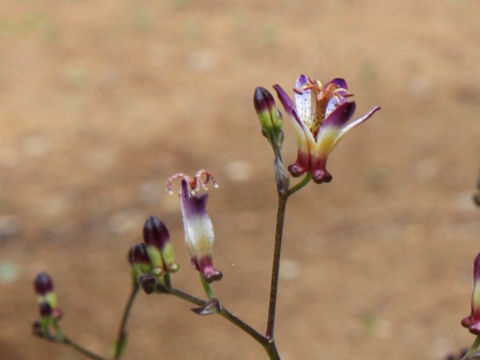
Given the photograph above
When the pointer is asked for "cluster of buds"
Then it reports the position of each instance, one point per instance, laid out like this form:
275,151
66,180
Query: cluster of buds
154,257
47,304
320,115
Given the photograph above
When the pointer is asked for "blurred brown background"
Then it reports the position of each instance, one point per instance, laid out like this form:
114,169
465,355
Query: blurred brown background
100,101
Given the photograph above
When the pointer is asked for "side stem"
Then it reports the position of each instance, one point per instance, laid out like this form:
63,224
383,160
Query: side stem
122,333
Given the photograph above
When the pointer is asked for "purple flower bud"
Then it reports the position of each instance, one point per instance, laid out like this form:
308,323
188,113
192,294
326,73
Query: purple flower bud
155,233
263,100
270,117
472,322
159,247
43,284
138,255
45,309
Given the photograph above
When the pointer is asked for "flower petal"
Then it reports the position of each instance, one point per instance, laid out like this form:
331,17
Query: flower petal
338,117
289,107
341,83
355,123
304,101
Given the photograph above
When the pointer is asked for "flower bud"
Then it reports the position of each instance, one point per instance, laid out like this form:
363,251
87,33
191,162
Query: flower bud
43,284
159,247
472,322
139,260
270,117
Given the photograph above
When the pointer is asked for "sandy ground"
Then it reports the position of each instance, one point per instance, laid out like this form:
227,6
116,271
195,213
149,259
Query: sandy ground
102,100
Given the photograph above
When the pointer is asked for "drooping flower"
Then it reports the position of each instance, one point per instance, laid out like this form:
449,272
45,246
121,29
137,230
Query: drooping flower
320,116
472,322
197,225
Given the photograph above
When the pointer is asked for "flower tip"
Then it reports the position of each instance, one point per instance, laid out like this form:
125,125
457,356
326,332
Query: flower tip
296,170
466,322
320,176
213,275
263,100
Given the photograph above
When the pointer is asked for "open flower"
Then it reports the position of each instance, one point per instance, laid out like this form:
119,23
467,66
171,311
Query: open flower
320,116
197,225
472,322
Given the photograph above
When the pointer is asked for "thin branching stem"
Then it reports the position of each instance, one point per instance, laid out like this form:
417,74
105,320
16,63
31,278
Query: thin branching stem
122,333
81,349
63,339
277,250
268,344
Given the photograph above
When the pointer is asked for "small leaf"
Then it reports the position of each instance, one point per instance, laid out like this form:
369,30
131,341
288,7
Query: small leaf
212,306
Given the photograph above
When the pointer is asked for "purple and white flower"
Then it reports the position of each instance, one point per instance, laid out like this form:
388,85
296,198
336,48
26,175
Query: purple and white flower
320,116
198,227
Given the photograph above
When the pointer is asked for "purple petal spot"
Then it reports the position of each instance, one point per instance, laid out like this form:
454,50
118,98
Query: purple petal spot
155,233
43,284
301,81
340,116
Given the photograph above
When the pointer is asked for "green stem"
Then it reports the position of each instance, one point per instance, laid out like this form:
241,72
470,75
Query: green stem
277,250
206,287
472,349
300,185
122,333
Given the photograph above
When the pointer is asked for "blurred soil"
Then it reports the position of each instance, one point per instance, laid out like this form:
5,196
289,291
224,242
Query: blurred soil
102,100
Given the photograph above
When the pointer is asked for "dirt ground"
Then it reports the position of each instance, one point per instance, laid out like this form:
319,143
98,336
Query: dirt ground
100,101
